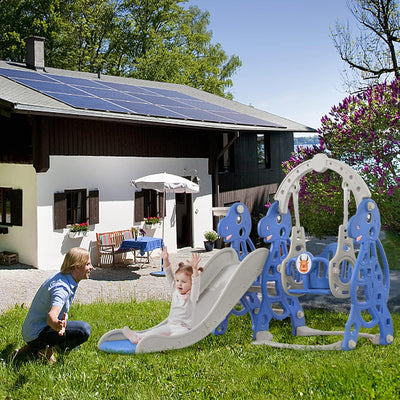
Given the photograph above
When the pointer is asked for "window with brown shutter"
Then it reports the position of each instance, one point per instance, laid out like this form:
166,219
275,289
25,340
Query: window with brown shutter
73,207
149,203
10,206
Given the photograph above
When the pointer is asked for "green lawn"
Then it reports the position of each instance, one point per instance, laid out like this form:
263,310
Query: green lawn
391,244
218,367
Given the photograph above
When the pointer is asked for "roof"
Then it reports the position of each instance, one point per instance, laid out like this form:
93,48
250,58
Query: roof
59,92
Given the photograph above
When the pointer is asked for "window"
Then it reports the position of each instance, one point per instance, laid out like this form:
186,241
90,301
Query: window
263,151
10,206
149,203
75,207
227,161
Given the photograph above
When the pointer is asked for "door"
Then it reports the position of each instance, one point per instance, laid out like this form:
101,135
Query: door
184,236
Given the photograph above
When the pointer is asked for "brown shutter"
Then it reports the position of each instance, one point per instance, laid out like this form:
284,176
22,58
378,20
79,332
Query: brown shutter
161,204
139,206
93,207
60,210
16,207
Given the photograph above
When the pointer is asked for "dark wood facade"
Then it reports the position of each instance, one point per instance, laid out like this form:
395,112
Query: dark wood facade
32,139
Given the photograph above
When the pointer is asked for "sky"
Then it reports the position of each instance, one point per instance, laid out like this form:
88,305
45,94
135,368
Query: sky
290,66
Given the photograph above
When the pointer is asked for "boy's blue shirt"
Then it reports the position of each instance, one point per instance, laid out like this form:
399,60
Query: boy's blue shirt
57,290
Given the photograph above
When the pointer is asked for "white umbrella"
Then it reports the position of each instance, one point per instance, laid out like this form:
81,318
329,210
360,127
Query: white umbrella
166,183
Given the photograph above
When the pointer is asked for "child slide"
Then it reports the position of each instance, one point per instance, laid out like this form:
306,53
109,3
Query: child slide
222,284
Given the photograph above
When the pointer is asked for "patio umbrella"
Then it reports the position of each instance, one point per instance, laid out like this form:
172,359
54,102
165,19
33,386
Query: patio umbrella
166,183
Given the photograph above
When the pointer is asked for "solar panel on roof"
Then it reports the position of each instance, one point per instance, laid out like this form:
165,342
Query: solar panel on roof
50,87
159,100
69,80
124,98
170,93
122,87
91,103
148,109
109,94
23,74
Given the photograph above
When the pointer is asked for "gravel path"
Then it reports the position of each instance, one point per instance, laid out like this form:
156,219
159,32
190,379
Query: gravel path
19,283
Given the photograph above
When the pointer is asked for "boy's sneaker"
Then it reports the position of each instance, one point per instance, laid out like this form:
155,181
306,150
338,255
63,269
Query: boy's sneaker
23,350
47,355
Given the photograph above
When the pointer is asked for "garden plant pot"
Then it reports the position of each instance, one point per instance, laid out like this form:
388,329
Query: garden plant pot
209,246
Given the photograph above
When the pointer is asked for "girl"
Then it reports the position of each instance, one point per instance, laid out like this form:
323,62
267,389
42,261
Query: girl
185,286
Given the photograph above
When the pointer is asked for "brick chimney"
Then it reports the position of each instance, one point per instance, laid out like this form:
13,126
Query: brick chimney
35,53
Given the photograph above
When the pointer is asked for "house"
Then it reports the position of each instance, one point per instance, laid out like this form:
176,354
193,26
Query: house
73,142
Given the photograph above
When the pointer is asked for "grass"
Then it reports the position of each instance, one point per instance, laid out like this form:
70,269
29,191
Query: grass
217,367
391,244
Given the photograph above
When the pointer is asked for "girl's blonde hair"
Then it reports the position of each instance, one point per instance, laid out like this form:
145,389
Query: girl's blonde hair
76,257
186,269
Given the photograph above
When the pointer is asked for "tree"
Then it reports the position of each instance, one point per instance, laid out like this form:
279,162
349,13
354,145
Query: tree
364,132
147,39
373,52
188,57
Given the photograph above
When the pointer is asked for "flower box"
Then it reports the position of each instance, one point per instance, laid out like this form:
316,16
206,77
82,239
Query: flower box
76,235
78,230
152,222
153,226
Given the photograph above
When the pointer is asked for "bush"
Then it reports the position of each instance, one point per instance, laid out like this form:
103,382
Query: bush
211,236
363,131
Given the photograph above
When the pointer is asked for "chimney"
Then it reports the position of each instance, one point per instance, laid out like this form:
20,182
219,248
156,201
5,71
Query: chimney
35,53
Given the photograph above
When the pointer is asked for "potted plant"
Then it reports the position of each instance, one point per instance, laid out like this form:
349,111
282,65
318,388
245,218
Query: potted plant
137,232
152,222
78,230
210,236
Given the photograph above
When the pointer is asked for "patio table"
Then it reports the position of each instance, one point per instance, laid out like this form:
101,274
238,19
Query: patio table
145,245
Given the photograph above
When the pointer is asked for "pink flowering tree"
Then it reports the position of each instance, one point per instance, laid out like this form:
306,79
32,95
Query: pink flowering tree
364,132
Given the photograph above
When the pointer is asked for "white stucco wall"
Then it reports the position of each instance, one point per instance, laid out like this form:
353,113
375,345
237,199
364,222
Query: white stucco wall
112,177
21,239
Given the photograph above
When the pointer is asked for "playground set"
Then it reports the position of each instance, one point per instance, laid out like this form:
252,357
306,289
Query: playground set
242,273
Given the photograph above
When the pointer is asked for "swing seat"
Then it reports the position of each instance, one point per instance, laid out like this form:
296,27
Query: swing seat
314,281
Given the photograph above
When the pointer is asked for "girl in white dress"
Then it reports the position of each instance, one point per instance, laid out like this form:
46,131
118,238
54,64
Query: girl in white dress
185,287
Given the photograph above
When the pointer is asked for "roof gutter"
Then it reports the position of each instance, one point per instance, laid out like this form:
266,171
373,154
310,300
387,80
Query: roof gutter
131,118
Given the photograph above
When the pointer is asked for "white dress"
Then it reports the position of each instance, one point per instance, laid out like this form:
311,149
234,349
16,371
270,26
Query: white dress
181,314
183,307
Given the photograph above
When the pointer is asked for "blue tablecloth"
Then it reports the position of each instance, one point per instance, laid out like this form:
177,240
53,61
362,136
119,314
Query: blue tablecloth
142,243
